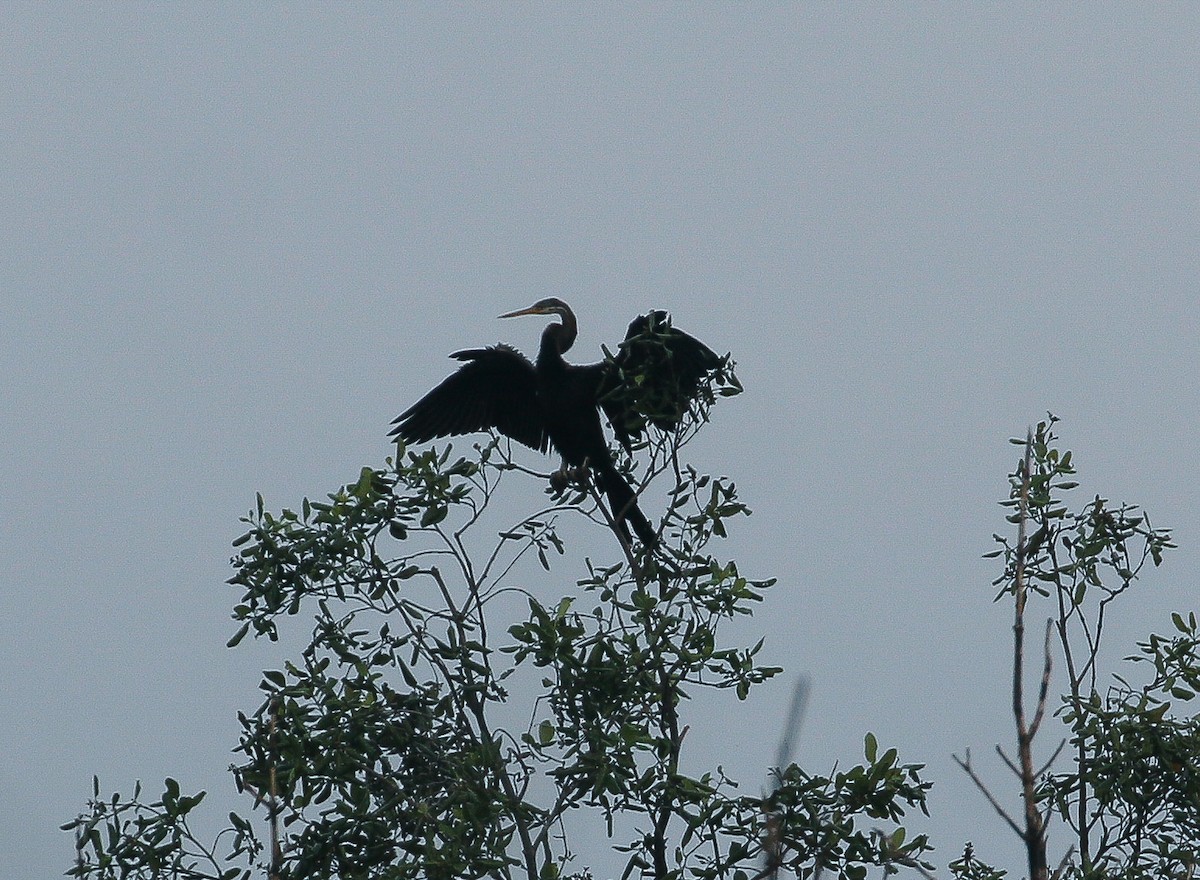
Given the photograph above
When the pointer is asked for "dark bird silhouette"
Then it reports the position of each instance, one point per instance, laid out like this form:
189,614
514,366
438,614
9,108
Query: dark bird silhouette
653,379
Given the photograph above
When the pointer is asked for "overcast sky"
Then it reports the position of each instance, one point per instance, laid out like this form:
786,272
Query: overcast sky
238,239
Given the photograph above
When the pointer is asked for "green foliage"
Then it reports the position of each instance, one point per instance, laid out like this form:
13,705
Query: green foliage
449,712
1091,554
1131,795
831,823
121,838
1140,769
967,867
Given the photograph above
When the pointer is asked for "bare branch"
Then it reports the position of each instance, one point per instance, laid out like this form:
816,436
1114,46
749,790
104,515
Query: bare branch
1047,664
795,718
1034,834
1062,865
1008,761
966,766
1053,758
772,842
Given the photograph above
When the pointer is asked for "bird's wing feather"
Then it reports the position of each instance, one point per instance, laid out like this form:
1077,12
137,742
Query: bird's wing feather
496,387
654,376
615,403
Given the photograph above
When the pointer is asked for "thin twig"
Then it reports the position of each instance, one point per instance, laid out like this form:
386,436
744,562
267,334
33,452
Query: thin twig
1062,866
1008,761
772,841
795,718
966,766
1053,758
1034,833
79,845
1044,690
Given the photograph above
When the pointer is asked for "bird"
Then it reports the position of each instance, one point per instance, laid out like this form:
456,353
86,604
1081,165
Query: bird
552,404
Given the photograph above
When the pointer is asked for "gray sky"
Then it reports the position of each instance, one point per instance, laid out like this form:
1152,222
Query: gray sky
238,240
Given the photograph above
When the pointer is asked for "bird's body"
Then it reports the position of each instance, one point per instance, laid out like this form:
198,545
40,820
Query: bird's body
552,403
565,392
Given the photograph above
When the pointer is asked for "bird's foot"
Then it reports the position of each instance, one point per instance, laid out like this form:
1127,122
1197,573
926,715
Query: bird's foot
566,477
559,480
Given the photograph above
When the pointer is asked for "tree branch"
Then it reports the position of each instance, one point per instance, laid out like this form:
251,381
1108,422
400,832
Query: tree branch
966,766
1034,834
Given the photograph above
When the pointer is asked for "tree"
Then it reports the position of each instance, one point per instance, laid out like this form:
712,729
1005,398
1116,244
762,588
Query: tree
1130,796
449,715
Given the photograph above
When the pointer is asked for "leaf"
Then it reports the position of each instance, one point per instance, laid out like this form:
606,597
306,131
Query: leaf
275,677
871,747
238,636
434,515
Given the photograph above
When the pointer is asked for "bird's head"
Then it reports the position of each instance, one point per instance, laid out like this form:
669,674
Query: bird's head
551,305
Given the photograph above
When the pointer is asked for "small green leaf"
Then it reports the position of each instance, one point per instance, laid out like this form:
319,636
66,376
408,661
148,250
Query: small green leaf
238,636
871,747
434,515
275,677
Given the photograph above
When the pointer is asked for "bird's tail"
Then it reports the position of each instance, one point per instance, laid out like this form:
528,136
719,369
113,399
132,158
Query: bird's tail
625,511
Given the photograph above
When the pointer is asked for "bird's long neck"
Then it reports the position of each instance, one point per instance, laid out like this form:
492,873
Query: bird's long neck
557,339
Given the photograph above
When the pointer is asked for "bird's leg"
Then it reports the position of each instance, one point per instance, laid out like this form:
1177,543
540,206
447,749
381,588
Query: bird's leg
581,475
566,476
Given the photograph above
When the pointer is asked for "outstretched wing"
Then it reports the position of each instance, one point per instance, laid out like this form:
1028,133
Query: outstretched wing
654,377
496,387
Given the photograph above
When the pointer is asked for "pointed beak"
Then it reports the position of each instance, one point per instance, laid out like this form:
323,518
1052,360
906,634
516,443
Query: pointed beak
532,310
